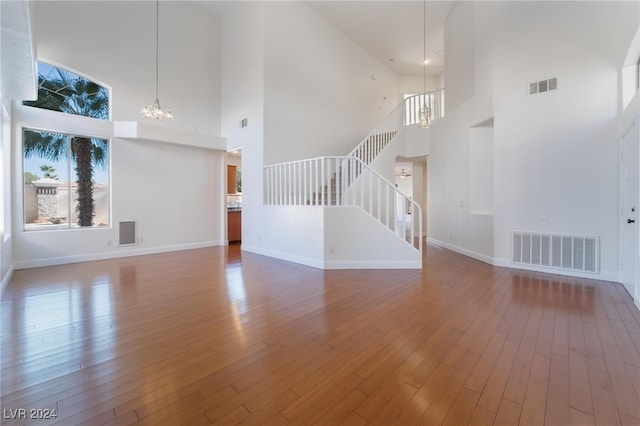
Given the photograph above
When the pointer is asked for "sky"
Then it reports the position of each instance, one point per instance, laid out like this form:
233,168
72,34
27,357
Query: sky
32,165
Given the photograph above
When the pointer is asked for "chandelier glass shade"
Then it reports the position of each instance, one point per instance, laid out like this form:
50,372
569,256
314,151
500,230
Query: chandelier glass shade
154,111
425,116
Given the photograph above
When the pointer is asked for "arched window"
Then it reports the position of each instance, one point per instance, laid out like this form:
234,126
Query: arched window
63,91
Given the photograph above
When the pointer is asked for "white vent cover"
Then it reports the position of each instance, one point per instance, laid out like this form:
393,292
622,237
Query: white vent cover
543,86
127,233
575,253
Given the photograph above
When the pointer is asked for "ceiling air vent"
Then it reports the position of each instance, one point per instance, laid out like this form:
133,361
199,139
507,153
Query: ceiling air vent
543,86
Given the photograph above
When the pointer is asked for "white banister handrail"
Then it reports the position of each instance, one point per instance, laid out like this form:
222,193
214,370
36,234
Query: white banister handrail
406,113
349,181
344,181
375,141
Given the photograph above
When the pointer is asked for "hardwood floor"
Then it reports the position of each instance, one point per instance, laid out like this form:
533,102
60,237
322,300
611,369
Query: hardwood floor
215,336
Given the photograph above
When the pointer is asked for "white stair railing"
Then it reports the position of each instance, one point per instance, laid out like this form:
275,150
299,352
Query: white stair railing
380,137
406,113
349,181
344,182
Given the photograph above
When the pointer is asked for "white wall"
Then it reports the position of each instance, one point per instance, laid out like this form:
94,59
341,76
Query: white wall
312,91
323,93
117,48
355,239
412,84
556,164
6,238
243,97
555,153
175,193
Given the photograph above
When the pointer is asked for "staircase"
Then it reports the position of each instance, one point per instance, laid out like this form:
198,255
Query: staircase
348,181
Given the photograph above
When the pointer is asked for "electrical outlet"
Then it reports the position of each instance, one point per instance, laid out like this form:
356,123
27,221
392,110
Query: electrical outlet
332,249
108,243
139,239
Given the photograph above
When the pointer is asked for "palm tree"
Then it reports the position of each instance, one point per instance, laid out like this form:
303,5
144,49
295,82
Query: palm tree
49,172
71,94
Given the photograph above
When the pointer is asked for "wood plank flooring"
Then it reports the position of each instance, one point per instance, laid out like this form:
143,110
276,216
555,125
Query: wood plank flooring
216,336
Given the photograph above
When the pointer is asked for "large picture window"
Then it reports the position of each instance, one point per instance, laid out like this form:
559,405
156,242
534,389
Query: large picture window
66,180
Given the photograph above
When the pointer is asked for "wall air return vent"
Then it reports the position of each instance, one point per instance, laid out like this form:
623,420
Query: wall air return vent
574,253
127,233
543,86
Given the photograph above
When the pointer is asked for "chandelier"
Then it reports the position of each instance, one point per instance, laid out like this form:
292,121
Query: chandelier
425,112
155,111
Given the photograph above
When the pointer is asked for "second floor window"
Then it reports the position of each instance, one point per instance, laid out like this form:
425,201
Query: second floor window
63,91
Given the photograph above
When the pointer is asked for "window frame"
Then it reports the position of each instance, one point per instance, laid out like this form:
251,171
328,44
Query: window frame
84,76
52,121
69,225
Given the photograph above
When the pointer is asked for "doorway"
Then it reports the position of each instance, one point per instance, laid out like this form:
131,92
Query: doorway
234,196
411,180
629,192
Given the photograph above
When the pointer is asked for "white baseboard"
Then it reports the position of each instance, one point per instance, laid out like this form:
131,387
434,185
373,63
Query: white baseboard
5,280
315,263
473,254
334,264
62,260
602,276
505,263
360,264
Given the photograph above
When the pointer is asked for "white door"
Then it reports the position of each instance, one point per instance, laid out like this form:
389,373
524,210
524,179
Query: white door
629,191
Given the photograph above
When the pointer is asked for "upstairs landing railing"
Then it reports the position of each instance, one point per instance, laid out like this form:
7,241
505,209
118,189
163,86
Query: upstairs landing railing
412,104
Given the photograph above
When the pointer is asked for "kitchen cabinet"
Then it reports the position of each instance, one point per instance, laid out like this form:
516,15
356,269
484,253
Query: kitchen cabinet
231,179
234,226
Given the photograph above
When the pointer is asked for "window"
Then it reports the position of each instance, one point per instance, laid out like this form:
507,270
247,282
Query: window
63,91
66,181
66,175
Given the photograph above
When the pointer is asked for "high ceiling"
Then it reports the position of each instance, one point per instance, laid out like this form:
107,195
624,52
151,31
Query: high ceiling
392,30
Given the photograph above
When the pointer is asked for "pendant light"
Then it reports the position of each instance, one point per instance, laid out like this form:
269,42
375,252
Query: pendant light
425,112
155,111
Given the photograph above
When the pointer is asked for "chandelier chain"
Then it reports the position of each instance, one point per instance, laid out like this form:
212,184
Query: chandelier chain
425,111
424,46
154,110
157,42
